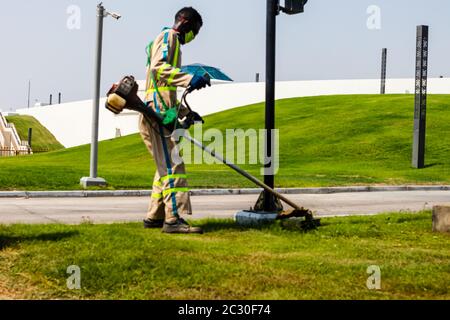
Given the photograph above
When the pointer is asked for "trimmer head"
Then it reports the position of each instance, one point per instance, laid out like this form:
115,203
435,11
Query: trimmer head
309,222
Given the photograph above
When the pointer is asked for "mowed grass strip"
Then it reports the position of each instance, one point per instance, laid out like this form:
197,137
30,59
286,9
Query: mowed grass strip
324,141
124,261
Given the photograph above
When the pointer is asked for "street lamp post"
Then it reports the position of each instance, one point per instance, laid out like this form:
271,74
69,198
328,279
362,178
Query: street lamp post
269,203
93,179
272,12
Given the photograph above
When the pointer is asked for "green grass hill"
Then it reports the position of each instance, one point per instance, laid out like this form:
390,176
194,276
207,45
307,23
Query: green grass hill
324,141
41,138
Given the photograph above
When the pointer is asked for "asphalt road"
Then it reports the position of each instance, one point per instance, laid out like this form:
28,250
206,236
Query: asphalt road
131,209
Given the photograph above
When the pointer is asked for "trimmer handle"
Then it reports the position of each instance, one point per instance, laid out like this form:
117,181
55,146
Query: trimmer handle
207,77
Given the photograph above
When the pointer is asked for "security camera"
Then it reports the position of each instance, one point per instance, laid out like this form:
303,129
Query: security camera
114,15
294,6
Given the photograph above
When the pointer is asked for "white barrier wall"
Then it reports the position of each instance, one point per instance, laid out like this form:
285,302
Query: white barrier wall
70,123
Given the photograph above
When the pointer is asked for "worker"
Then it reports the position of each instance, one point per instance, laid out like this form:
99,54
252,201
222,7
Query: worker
170,199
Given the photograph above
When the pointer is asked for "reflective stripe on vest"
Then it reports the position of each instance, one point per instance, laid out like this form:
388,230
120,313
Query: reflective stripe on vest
161,70
161,89
165,46
172,76
176,54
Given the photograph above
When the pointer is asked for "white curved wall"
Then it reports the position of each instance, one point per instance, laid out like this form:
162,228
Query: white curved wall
70,123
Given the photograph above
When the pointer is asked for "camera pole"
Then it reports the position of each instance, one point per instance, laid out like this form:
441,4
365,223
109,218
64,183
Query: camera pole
93,180
267,202
272,12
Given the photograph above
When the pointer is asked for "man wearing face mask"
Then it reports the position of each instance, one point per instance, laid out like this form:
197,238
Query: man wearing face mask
170,194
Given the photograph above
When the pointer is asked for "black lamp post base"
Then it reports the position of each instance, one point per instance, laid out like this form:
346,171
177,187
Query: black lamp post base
268,203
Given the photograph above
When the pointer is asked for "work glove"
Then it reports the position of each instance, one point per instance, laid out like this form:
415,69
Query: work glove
196,117
191,119
199,82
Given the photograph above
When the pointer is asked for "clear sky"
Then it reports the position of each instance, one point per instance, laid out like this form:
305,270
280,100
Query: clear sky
43,40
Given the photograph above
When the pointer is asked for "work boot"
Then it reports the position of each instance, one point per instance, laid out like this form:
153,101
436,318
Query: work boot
153,224
180,226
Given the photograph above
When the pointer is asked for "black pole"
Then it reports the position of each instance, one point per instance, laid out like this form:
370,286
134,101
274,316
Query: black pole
30,137
420,112
272,12
59,98
383,70
51,98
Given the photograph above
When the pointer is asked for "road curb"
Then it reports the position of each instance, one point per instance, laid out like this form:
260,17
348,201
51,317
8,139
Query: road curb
216,192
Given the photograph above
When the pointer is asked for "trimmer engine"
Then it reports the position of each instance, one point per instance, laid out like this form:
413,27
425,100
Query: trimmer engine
123,95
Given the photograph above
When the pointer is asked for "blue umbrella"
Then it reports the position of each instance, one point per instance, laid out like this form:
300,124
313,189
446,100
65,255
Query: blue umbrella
200,70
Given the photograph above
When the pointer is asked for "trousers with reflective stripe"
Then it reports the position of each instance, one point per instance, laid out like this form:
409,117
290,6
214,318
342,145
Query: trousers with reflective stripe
170,194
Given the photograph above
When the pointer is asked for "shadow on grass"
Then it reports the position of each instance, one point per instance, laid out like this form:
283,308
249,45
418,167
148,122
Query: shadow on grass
214,225
9,241
433,165
210,226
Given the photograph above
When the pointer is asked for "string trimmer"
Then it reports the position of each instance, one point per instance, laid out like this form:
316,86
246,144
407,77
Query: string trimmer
124,95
